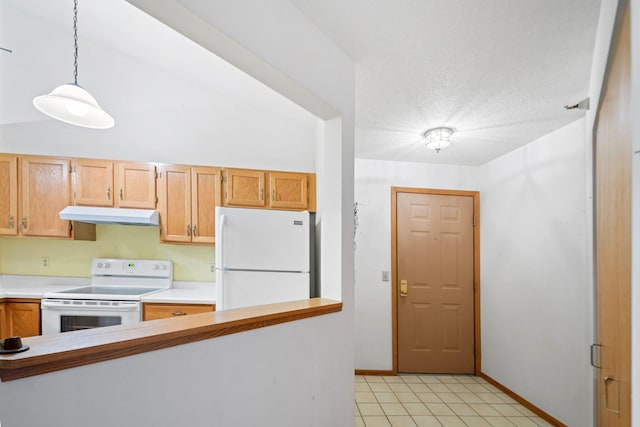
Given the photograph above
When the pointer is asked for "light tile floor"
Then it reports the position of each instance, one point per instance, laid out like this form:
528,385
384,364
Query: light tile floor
436,400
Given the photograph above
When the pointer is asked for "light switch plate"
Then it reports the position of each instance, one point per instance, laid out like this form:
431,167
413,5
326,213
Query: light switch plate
385,276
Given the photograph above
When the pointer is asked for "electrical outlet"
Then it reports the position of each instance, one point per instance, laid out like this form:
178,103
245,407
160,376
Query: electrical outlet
45,262
212,268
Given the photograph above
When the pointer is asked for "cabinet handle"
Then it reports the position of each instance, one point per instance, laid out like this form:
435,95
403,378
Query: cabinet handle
121,194
178,313
273,195
262,194
195,229
108,193
593,358
11,224
24,222
606,395
189,230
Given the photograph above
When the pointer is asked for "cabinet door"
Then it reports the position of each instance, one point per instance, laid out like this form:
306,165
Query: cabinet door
3,321
93,182
153,311
205,196
8,195
45,192
174,203
136,185
23,319
244,188
289,190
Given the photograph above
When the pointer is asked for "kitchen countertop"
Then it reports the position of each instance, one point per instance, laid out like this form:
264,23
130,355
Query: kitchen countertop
185,293
19,286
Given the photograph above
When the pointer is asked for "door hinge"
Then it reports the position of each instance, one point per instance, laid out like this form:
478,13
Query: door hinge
475,221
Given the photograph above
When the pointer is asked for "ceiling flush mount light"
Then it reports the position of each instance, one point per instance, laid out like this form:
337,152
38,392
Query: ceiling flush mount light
438,138
69,102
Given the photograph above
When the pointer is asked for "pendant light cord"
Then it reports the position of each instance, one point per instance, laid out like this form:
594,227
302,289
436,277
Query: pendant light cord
75,42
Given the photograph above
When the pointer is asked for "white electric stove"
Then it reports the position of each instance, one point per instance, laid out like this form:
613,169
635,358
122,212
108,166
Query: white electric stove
113,298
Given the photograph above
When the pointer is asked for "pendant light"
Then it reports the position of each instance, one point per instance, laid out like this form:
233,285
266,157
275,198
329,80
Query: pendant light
69,102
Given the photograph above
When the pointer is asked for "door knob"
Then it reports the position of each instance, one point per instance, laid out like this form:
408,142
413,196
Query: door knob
403,288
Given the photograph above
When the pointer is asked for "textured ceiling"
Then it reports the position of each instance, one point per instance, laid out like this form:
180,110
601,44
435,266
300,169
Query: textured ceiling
497,71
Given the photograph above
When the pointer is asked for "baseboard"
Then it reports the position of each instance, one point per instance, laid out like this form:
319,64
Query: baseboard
373,372
524,402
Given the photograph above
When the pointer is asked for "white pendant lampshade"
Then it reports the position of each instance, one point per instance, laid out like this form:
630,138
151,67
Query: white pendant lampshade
72,104
69,102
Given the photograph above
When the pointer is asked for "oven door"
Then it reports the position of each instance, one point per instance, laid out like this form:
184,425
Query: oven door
73,315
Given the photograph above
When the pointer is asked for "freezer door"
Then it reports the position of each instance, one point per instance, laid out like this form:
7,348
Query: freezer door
236,289
257,239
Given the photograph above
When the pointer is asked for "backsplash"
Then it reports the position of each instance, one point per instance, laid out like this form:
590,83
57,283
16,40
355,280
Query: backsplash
73,258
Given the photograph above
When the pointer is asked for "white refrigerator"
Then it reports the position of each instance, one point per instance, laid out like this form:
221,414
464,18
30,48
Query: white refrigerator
262,257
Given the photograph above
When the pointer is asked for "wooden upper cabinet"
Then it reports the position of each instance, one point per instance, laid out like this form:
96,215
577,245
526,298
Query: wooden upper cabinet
136,184
93,182
289,190
174,203
187,198
205,196
243,187
8,195
46,190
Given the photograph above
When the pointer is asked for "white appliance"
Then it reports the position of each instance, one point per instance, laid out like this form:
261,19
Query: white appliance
262,257
113,298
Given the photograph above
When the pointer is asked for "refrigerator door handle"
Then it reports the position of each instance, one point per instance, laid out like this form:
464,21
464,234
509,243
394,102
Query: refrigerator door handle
221,241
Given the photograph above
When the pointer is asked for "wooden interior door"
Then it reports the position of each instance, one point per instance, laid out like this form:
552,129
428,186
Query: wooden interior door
613,238
435,272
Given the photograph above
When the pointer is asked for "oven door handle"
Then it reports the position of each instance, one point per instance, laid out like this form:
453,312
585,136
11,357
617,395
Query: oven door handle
59,306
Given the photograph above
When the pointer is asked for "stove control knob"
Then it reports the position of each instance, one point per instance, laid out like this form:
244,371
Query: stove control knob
99,265
107,265
156,267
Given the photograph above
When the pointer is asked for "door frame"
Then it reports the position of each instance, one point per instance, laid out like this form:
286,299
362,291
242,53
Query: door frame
476,267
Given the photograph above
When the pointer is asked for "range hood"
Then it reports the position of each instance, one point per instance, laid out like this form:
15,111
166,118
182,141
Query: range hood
95,215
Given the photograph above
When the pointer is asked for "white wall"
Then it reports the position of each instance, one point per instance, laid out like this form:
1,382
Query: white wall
277,376
299,373
535,290
374,179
